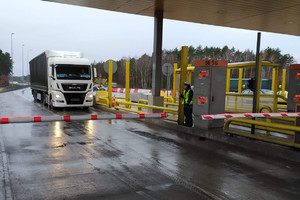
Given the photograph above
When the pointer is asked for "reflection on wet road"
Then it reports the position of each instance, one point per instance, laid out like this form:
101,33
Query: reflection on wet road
126,159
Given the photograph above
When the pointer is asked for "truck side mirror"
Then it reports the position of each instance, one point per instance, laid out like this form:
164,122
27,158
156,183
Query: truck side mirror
95,72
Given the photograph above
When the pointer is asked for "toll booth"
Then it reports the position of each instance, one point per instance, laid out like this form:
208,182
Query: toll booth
209,92
294,87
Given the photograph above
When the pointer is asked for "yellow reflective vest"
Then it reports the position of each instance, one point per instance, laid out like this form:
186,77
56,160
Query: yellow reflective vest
186,97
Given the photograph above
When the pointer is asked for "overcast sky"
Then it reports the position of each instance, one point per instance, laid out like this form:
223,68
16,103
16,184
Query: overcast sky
104,35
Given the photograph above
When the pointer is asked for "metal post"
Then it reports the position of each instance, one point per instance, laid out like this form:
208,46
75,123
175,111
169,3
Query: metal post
228,80
110,76
183,69
157,52
256,79
240,80
283,82
174,82
168,84
28,70
127,81
189,74
12,56
258,83
275,99
273,79
23,63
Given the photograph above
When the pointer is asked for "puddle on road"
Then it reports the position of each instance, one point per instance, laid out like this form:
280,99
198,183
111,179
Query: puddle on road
34,148
71,143
156,137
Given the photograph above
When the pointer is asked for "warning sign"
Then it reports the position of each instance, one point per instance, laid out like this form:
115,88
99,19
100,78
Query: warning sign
203,74
202,100
297,98
297,76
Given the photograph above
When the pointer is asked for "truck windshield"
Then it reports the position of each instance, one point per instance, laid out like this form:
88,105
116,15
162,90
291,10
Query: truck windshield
73,72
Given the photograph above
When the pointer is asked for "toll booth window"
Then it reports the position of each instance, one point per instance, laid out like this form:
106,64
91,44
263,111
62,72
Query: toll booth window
73,72
297,76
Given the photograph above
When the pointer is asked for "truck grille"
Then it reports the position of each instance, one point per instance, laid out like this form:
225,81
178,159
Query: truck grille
74,98
74,87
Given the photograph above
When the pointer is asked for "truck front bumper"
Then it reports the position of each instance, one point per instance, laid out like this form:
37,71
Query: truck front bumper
59,100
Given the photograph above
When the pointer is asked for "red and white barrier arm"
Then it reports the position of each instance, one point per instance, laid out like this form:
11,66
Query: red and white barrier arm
30,119
249,115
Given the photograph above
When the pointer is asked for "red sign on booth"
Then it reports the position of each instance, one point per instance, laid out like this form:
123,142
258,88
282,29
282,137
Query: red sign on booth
202,100
297,98
203,74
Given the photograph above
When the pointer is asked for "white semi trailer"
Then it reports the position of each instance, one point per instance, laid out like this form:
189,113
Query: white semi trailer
62,79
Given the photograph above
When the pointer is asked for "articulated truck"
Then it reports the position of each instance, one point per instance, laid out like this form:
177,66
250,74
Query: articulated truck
62,79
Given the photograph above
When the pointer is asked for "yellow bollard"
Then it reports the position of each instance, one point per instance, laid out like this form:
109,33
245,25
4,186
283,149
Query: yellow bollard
174,82
273,79
228,80
283,82
189,74
240,80
110,73
183,69
127,81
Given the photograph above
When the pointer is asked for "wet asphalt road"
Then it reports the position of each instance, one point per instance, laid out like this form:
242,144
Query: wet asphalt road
126,160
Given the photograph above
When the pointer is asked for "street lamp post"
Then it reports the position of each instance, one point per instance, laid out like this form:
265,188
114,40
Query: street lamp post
23,63
28,70
12,56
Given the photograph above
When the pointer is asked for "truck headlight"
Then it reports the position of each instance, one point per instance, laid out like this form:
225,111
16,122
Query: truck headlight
91,96
57,96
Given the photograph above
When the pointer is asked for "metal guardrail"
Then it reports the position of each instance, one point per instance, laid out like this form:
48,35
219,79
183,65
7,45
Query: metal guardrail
143,106
264,125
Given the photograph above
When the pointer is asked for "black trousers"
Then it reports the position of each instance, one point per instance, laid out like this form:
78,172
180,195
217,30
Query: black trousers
188,113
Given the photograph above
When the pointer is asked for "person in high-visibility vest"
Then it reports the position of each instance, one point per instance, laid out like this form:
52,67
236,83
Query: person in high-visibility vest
187,97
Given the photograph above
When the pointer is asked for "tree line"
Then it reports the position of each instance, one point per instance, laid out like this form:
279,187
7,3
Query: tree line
5,68
141,67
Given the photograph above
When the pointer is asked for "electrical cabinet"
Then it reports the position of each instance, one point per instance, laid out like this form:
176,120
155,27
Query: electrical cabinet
209,92
294,87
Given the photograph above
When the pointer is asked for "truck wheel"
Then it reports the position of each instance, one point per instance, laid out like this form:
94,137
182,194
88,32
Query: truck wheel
51,104
34,96
44,99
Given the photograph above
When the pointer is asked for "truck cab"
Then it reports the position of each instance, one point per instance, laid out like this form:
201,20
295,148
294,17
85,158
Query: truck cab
69,79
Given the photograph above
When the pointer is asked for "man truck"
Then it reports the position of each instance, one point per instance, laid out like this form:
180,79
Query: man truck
62,79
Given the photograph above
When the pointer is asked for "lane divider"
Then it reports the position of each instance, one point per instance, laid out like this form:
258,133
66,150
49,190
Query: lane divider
30,119
249,115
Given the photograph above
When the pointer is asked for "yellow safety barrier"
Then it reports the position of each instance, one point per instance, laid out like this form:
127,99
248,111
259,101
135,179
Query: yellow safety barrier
171,104
142,101
144,106
263,125
263,128
102,98
287,119
120,97
166,103
265,108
